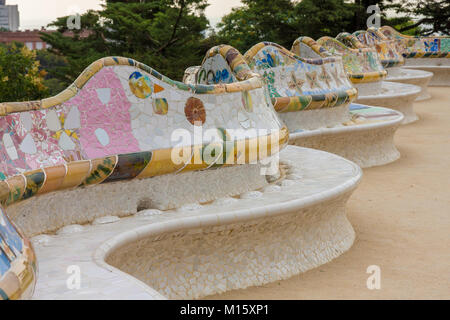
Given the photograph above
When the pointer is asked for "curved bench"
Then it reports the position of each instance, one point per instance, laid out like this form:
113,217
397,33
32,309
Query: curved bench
293,225
367,73
126,207
312,96
430,54
392,60
318,87
90,151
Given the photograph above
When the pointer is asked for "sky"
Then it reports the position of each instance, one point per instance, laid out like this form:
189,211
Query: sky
37,13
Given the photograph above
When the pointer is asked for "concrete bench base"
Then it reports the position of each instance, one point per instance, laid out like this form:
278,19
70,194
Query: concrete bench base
410,76
367,140
396,96
52,211
441,74
439,66
288,227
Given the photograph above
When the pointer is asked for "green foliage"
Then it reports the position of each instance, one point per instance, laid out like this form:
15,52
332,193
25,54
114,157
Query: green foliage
324,17
433,16
165,34
20,78
282,21
262,20
49,65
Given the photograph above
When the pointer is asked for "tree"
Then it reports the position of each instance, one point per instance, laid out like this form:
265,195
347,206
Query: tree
20,78
282,21
259,20
325,17
49,64
433,16
164,34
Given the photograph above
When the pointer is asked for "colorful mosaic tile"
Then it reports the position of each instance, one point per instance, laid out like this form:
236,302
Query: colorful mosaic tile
296,83
418,47
386,48
116,123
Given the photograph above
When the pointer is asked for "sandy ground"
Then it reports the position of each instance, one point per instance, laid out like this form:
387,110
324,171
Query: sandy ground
401,215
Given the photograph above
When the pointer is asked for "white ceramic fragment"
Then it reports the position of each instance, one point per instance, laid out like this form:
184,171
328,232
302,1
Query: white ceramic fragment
102,136
73,119
10,147
51,118
104,95
28,145
65,142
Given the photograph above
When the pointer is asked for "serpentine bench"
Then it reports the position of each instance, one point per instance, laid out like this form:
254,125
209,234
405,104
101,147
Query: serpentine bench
365,70
431,53
392,60
313,98
137,181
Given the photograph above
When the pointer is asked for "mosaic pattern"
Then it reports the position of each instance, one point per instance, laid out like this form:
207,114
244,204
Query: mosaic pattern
363,114
386,48
370,114
418,47
306,46
293,83
17,260
296,83
115,123
361,64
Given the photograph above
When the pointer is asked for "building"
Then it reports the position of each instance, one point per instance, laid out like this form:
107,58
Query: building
9,16
31,38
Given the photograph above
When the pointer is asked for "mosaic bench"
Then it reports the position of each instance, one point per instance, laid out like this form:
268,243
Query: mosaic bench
365,70
430,54
106,165
312,96
392,60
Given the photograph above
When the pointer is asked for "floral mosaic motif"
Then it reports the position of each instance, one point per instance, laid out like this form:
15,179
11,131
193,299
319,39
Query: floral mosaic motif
418,47
386,48
312,79
195,111
140,85
362,64
325,77
338,76
296,84
64,127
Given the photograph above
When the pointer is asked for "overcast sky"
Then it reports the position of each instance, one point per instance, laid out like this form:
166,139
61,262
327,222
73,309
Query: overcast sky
37,13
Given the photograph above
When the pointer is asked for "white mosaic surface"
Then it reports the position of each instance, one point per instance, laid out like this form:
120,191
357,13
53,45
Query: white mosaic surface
315,118
438,62
396,96
366,144
410,76
309,202
155,132
49,212
441,74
